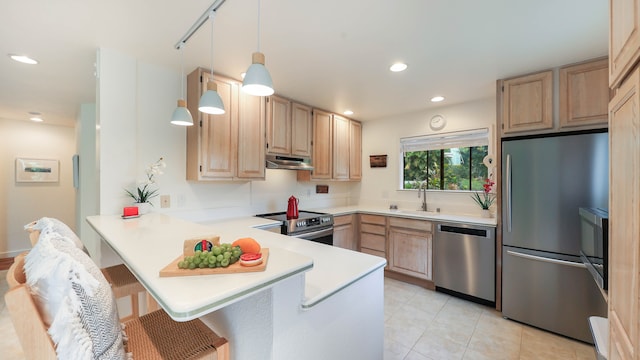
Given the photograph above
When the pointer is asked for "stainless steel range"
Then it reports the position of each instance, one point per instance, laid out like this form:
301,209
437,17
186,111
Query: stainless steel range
309,225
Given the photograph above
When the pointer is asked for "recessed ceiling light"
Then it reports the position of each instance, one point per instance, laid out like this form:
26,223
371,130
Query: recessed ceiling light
397,67
437,98
36,119
23,59
348,112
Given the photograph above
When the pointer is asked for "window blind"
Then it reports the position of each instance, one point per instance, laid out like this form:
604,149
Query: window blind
467,138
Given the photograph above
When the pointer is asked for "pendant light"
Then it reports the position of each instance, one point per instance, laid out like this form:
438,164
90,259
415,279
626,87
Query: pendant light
181,115
210,102
257,80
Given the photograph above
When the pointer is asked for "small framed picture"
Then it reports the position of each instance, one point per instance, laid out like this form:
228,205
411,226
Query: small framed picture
37,170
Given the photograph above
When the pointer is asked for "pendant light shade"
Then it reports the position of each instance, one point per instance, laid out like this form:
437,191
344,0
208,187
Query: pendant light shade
257,81
181,115
211,102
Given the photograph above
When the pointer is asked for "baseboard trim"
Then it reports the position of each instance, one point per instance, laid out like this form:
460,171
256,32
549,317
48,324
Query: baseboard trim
410,279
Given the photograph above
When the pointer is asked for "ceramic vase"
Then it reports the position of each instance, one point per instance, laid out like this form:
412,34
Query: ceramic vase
143,208
485,213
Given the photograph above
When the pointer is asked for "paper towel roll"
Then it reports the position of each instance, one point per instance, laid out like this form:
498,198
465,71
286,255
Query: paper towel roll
488,161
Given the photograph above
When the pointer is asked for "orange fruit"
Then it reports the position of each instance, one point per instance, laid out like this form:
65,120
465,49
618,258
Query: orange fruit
247,245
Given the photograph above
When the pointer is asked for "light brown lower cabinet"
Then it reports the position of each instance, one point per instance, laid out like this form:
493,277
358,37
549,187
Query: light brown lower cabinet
624,228
410,247
344,232
373,234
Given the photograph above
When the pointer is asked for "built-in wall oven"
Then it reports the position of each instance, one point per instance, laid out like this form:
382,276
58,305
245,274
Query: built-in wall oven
309,225
594,243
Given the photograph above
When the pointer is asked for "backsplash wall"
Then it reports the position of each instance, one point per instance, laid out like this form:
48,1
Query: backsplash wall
380,186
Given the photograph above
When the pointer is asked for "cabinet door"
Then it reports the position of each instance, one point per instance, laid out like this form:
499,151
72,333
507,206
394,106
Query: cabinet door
251,136
278,126
355,151
527,103
219,134
301,130
410,252
624,212
584,94
624,38
322,145
340,148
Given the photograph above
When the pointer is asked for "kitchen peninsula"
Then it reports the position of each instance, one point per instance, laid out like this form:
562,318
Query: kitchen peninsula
312,301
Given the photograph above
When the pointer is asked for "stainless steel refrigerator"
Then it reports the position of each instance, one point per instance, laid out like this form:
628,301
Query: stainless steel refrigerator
545,180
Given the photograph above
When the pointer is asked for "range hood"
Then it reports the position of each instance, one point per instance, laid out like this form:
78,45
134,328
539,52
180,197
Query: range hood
288,162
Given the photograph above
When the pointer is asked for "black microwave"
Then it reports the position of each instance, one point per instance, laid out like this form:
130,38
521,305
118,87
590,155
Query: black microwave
594,243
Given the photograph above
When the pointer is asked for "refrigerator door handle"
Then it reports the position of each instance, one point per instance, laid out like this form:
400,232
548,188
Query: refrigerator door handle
508,181
548,260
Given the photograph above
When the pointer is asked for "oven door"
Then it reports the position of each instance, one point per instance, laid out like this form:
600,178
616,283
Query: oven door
324,235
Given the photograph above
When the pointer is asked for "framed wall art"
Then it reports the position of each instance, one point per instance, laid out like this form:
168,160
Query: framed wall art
37,170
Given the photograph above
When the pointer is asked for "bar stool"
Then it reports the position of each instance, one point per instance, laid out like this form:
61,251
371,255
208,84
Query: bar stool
123,284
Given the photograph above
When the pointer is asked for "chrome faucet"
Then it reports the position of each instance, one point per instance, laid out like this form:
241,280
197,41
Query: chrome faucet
423,187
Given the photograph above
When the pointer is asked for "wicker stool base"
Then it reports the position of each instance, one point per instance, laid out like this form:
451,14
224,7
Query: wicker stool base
157,336
123,283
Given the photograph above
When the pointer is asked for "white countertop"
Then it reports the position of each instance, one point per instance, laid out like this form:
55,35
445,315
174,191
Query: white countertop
333,268
150,242
413,214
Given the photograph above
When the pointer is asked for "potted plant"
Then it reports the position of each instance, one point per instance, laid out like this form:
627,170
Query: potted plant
146,189
486,198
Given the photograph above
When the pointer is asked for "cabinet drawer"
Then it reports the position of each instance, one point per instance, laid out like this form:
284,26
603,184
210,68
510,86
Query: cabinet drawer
373,252
372,241
411,224
373,229
342,220
373,219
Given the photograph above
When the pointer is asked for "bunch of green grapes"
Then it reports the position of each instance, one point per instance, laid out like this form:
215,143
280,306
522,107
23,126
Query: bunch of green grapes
219,256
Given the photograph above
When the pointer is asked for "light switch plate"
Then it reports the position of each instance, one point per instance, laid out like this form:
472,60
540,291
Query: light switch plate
165,201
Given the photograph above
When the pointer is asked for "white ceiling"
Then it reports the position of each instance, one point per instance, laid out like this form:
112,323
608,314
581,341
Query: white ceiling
333,54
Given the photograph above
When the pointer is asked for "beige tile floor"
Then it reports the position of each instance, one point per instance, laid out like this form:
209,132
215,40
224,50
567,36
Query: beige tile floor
422,325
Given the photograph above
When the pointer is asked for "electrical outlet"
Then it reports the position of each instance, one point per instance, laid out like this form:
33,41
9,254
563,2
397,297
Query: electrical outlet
165,201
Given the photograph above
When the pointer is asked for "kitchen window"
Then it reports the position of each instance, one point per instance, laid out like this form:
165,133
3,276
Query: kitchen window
448,161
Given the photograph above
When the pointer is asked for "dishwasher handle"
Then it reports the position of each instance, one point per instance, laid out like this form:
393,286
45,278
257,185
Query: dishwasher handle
463,230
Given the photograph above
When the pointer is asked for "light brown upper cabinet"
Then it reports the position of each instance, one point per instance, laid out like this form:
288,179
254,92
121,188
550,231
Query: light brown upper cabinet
289,127
301,130
278,125
251,136
527,102
355,150
322,145
584,94
228,146
341,144
624,39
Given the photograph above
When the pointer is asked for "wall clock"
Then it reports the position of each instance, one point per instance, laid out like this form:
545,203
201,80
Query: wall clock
437,122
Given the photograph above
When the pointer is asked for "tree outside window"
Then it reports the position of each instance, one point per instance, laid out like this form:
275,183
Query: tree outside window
455,168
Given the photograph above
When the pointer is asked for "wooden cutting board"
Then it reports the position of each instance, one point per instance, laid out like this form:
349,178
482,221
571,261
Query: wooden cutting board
173,270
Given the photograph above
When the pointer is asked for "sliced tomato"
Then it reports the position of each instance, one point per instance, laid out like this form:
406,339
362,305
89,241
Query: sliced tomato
250,256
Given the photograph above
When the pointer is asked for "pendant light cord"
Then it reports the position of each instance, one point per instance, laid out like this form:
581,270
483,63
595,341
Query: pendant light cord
211,16
258,25
182,70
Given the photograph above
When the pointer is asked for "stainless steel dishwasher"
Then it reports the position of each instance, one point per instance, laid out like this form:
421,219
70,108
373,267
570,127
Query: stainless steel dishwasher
464,261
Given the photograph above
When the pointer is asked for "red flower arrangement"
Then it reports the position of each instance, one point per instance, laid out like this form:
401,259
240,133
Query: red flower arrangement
486,198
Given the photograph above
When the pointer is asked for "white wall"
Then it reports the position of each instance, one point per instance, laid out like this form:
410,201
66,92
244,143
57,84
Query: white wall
380,186
25,202
135,102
